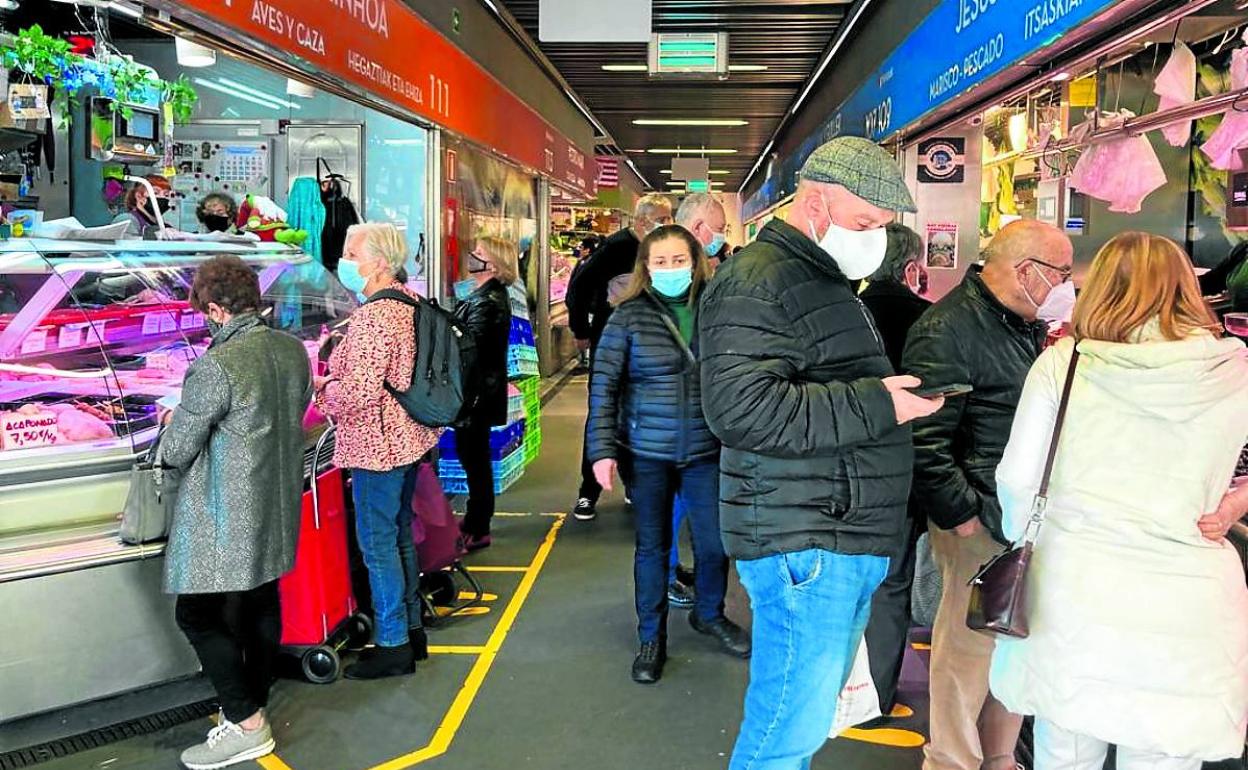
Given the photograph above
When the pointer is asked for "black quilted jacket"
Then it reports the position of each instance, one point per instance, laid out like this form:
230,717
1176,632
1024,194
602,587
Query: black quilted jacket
791,368
645,393
968,337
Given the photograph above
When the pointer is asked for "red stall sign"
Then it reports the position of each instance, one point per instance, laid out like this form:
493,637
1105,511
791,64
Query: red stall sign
383,46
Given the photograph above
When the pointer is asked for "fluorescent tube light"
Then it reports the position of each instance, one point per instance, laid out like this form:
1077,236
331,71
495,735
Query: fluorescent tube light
257,93
690,122
690,151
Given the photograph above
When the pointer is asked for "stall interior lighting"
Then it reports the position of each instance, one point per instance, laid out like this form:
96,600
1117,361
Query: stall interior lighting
1018,131
644,68
224,88
691,151
193,55
126,10
690,122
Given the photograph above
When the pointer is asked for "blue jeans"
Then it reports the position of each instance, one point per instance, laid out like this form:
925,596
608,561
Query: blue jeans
810,611
656,484
383,525
678,518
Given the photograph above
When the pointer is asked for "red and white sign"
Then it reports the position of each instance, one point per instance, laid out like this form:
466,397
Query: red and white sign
608,171
23,431
384,47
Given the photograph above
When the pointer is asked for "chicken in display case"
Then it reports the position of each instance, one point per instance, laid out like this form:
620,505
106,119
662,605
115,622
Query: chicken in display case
95,338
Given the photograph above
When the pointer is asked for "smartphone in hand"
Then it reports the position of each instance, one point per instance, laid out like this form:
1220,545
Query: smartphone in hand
943,391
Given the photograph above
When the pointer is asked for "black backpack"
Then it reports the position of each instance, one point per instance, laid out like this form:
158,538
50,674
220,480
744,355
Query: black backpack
441,393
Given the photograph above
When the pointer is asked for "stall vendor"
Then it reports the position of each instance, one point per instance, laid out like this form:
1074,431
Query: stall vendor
217,212
143,210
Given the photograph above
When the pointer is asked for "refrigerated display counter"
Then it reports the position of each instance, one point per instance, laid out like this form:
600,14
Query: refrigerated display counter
92,336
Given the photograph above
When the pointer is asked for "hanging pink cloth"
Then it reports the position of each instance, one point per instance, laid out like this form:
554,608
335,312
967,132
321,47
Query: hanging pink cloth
1223,146
1176,85
1122,171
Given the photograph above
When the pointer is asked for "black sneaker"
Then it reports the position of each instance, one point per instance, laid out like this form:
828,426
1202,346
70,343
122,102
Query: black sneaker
420,643
648,665
584,510
680,595
731,637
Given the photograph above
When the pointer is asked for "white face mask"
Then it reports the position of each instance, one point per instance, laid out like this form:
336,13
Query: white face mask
858,253
1060,304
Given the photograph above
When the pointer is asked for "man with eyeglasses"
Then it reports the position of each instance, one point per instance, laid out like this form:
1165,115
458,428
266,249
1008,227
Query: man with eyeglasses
986,333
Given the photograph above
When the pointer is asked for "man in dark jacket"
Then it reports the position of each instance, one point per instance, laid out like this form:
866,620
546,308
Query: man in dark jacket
893,297
603,277
817,455
985,334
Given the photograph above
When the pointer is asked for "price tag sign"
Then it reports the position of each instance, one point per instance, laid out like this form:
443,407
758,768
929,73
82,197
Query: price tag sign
168,323
151,323
35,342
23,431
192,321
70,336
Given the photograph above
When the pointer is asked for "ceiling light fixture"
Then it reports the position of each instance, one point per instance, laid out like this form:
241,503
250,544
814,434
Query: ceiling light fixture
690,122
712,172
126,10
644,68
747,67
299,88
690,151
1060,77
261,94
193,55
8,5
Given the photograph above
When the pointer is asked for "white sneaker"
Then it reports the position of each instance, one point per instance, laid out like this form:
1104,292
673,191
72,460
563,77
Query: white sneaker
228,744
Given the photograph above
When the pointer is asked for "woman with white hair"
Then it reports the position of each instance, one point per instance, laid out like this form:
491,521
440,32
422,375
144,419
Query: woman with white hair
380,443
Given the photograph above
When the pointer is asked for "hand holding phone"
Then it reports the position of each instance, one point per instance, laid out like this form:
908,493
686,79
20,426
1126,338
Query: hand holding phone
944,391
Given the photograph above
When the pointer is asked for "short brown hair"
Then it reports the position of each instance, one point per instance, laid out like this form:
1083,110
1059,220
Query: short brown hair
1135,278
226,281
641,282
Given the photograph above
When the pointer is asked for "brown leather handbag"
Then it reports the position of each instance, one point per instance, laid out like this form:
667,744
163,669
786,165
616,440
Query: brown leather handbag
999,589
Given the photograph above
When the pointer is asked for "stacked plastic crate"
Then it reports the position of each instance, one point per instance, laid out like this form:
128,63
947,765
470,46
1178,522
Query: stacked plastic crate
509,444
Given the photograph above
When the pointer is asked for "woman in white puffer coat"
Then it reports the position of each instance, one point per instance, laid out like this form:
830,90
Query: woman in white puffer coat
1138,608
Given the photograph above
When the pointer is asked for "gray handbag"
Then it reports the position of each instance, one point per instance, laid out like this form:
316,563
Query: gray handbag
153,492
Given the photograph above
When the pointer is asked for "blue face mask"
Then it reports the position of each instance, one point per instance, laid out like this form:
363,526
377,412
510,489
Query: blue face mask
716,245
349,274
465,288
672,282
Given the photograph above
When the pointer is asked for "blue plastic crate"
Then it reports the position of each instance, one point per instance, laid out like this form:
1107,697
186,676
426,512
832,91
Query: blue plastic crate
503,441
506,474
521,332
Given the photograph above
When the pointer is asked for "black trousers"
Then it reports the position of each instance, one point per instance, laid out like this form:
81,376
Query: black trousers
472,442
236,636
590,488
888,631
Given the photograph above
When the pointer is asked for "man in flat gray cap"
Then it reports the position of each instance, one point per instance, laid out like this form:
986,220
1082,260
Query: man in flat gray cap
817,458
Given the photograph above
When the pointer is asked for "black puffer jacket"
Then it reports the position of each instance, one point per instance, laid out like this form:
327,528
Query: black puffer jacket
969,337
487,314
791,368
589,288
645,394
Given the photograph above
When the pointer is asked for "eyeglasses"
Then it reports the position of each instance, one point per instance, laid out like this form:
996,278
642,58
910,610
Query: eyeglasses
1063,272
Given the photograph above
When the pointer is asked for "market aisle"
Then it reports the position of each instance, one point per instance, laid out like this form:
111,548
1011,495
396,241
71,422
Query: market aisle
557,695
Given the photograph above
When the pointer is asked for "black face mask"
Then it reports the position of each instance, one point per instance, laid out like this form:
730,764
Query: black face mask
216,223
162,203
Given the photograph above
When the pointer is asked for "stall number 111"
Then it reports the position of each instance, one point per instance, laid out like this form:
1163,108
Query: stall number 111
439,95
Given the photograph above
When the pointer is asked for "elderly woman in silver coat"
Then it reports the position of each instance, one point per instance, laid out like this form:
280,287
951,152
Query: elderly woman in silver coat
238,437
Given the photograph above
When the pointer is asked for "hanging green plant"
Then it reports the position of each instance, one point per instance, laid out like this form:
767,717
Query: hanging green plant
181,95
40,56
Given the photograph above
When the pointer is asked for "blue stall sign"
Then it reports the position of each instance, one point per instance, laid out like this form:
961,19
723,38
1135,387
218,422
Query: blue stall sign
960,44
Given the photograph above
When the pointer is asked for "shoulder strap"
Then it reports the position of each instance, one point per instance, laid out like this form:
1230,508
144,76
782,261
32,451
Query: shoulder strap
671,328
1042,496
393,294
1057,427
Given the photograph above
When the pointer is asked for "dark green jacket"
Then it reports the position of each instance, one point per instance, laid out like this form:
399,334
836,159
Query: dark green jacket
968,337
791,379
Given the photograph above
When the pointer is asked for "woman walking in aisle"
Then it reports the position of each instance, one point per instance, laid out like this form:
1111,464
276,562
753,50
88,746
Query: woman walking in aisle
646,416
1137,604
380,443
487,314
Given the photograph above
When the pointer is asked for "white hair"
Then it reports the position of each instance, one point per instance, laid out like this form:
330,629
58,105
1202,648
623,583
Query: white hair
693,205
382,239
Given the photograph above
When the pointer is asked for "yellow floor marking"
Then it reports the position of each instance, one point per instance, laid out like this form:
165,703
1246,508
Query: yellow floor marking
454,718
464,613
886,736
901,711
466,595
272,762
513,515
455,649
486,568
920,646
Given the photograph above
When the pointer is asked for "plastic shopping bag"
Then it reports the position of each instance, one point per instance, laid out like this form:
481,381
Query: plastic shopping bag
858,702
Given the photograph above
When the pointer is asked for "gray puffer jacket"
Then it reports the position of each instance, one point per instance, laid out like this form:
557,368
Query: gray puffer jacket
238,436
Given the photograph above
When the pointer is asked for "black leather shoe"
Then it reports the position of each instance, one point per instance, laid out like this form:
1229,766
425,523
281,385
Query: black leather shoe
731,637
680,596
420,643
648,665
381,662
